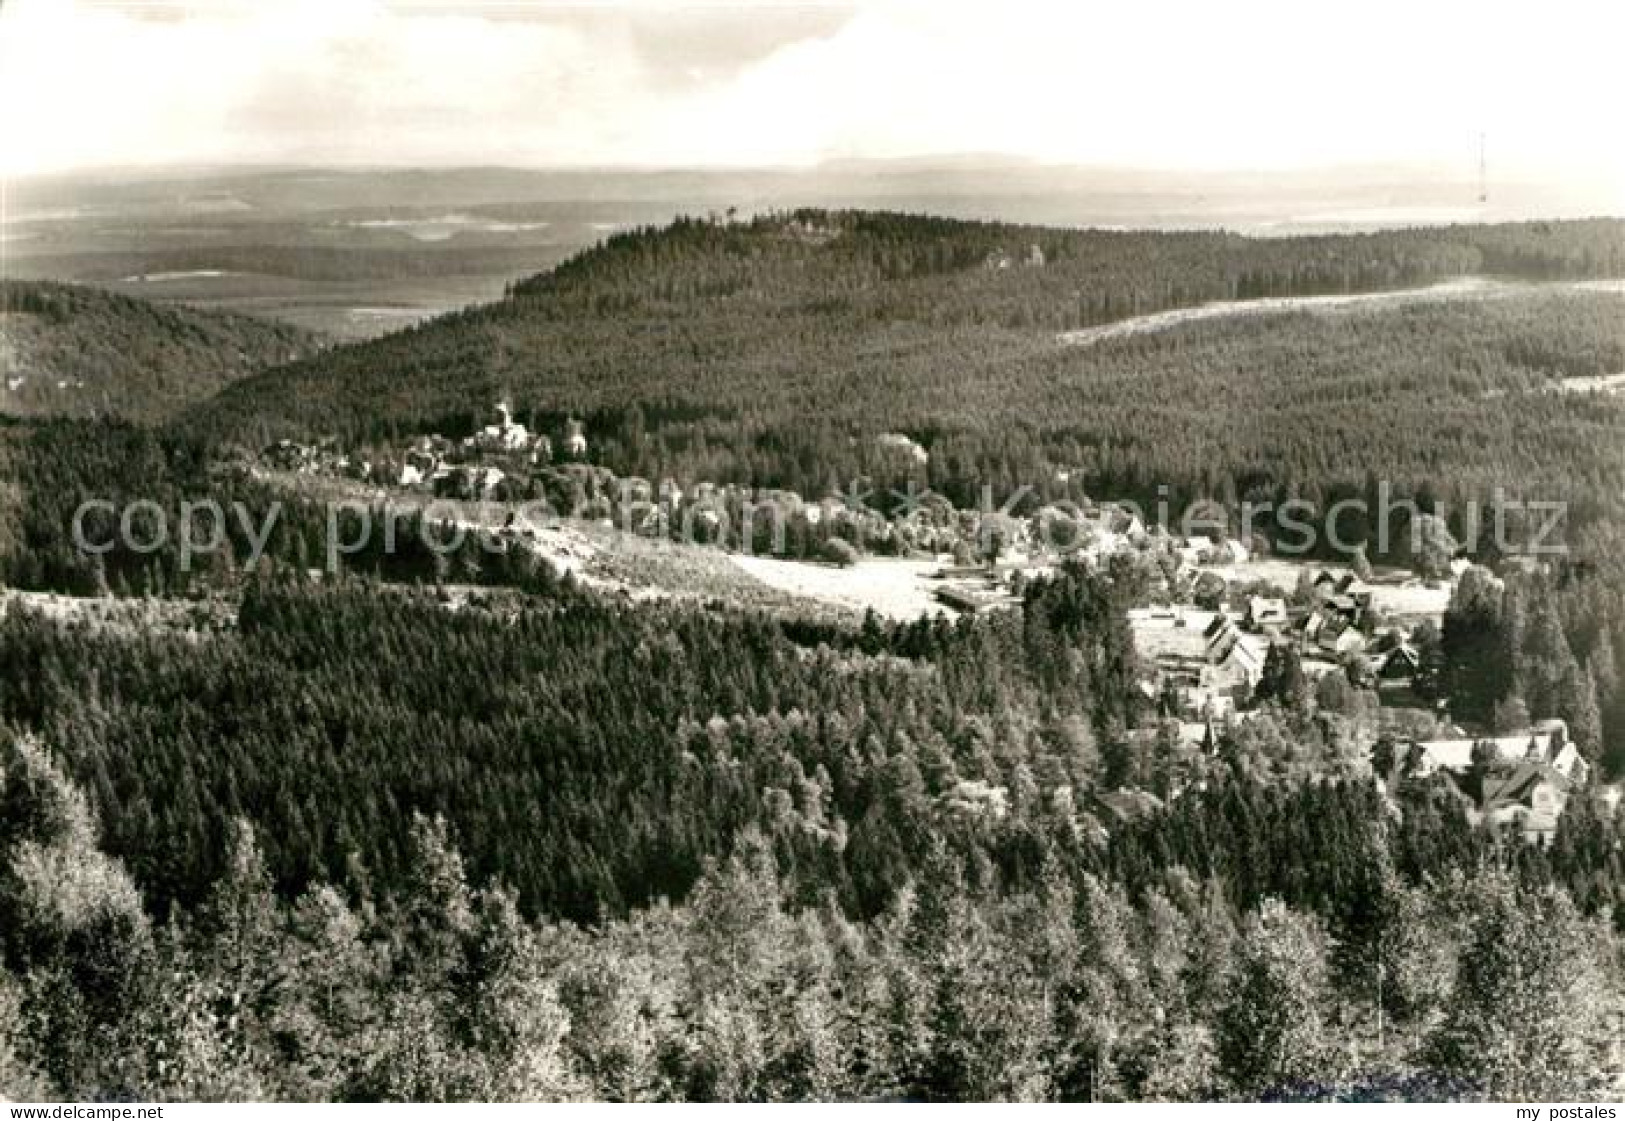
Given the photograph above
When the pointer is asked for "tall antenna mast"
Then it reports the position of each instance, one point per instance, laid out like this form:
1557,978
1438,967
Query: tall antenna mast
1483,171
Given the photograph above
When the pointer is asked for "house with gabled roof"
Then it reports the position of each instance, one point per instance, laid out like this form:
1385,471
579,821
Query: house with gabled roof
1344,593
1266,614
1521,782
1236,657
1528,797
1337,636
1397,663
1546,742
1218,636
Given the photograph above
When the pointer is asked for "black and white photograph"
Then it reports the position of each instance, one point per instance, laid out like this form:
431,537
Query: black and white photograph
845,551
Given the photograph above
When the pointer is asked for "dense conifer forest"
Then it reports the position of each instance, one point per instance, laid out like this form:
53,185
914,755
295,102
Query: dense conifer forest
67,350
451,826
350,838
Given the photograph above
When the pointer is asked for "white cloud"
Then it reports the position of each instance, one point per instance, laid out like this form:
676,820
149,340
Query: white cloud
344,80
1249,83
1261,83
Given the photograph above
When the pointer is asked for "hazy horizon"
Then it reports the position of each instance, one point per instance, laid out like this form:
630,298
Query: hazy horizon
947,160
982,185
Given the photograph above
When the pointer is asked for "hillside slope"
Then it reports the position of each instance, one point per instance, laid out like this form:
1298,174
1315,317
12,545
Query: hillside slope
774,352
72,351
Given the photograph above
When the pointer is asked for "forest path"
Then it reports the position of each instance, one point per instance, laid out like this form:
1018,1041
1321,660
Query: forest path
1464,288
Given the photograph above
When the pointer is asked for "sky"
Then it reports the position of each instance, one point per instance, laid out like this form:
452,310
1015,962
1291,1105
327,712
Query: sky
1181,84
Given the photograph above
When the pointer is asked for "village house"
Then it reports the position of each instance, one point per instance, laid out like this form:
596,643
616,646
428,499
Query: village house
899,444
1344,593
1519,782
1207,703
1199,735
1221,634
1244,665
1397,665
1266,615
1546,742
1200,664
1332,635
1528,798
1113,523
1124,806
975,799
503,436
1236,657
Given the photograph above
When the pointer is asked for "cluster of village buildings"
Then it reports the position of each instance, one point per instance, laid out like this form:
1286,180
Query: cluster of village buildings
1521,781
1032,258
506,462
1210,662
1203,664
1207,663
465,469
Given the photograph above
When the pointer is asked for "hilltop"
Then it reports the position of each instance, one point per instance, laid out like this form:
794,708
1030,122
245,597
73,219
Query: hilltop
67,350
776,351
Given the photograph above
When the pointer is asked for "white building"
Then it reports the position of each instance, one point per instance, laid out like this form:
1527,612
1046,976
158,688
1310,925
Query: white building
1546,742
575,439
505,435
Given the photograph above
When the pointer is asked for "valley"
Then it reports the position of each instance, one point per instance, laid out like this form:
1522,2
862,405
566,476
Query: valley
834,553
782,575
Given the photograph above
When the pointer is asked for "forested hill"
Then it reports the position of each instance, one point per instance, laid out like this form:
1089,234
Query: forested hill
67,350
770,351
